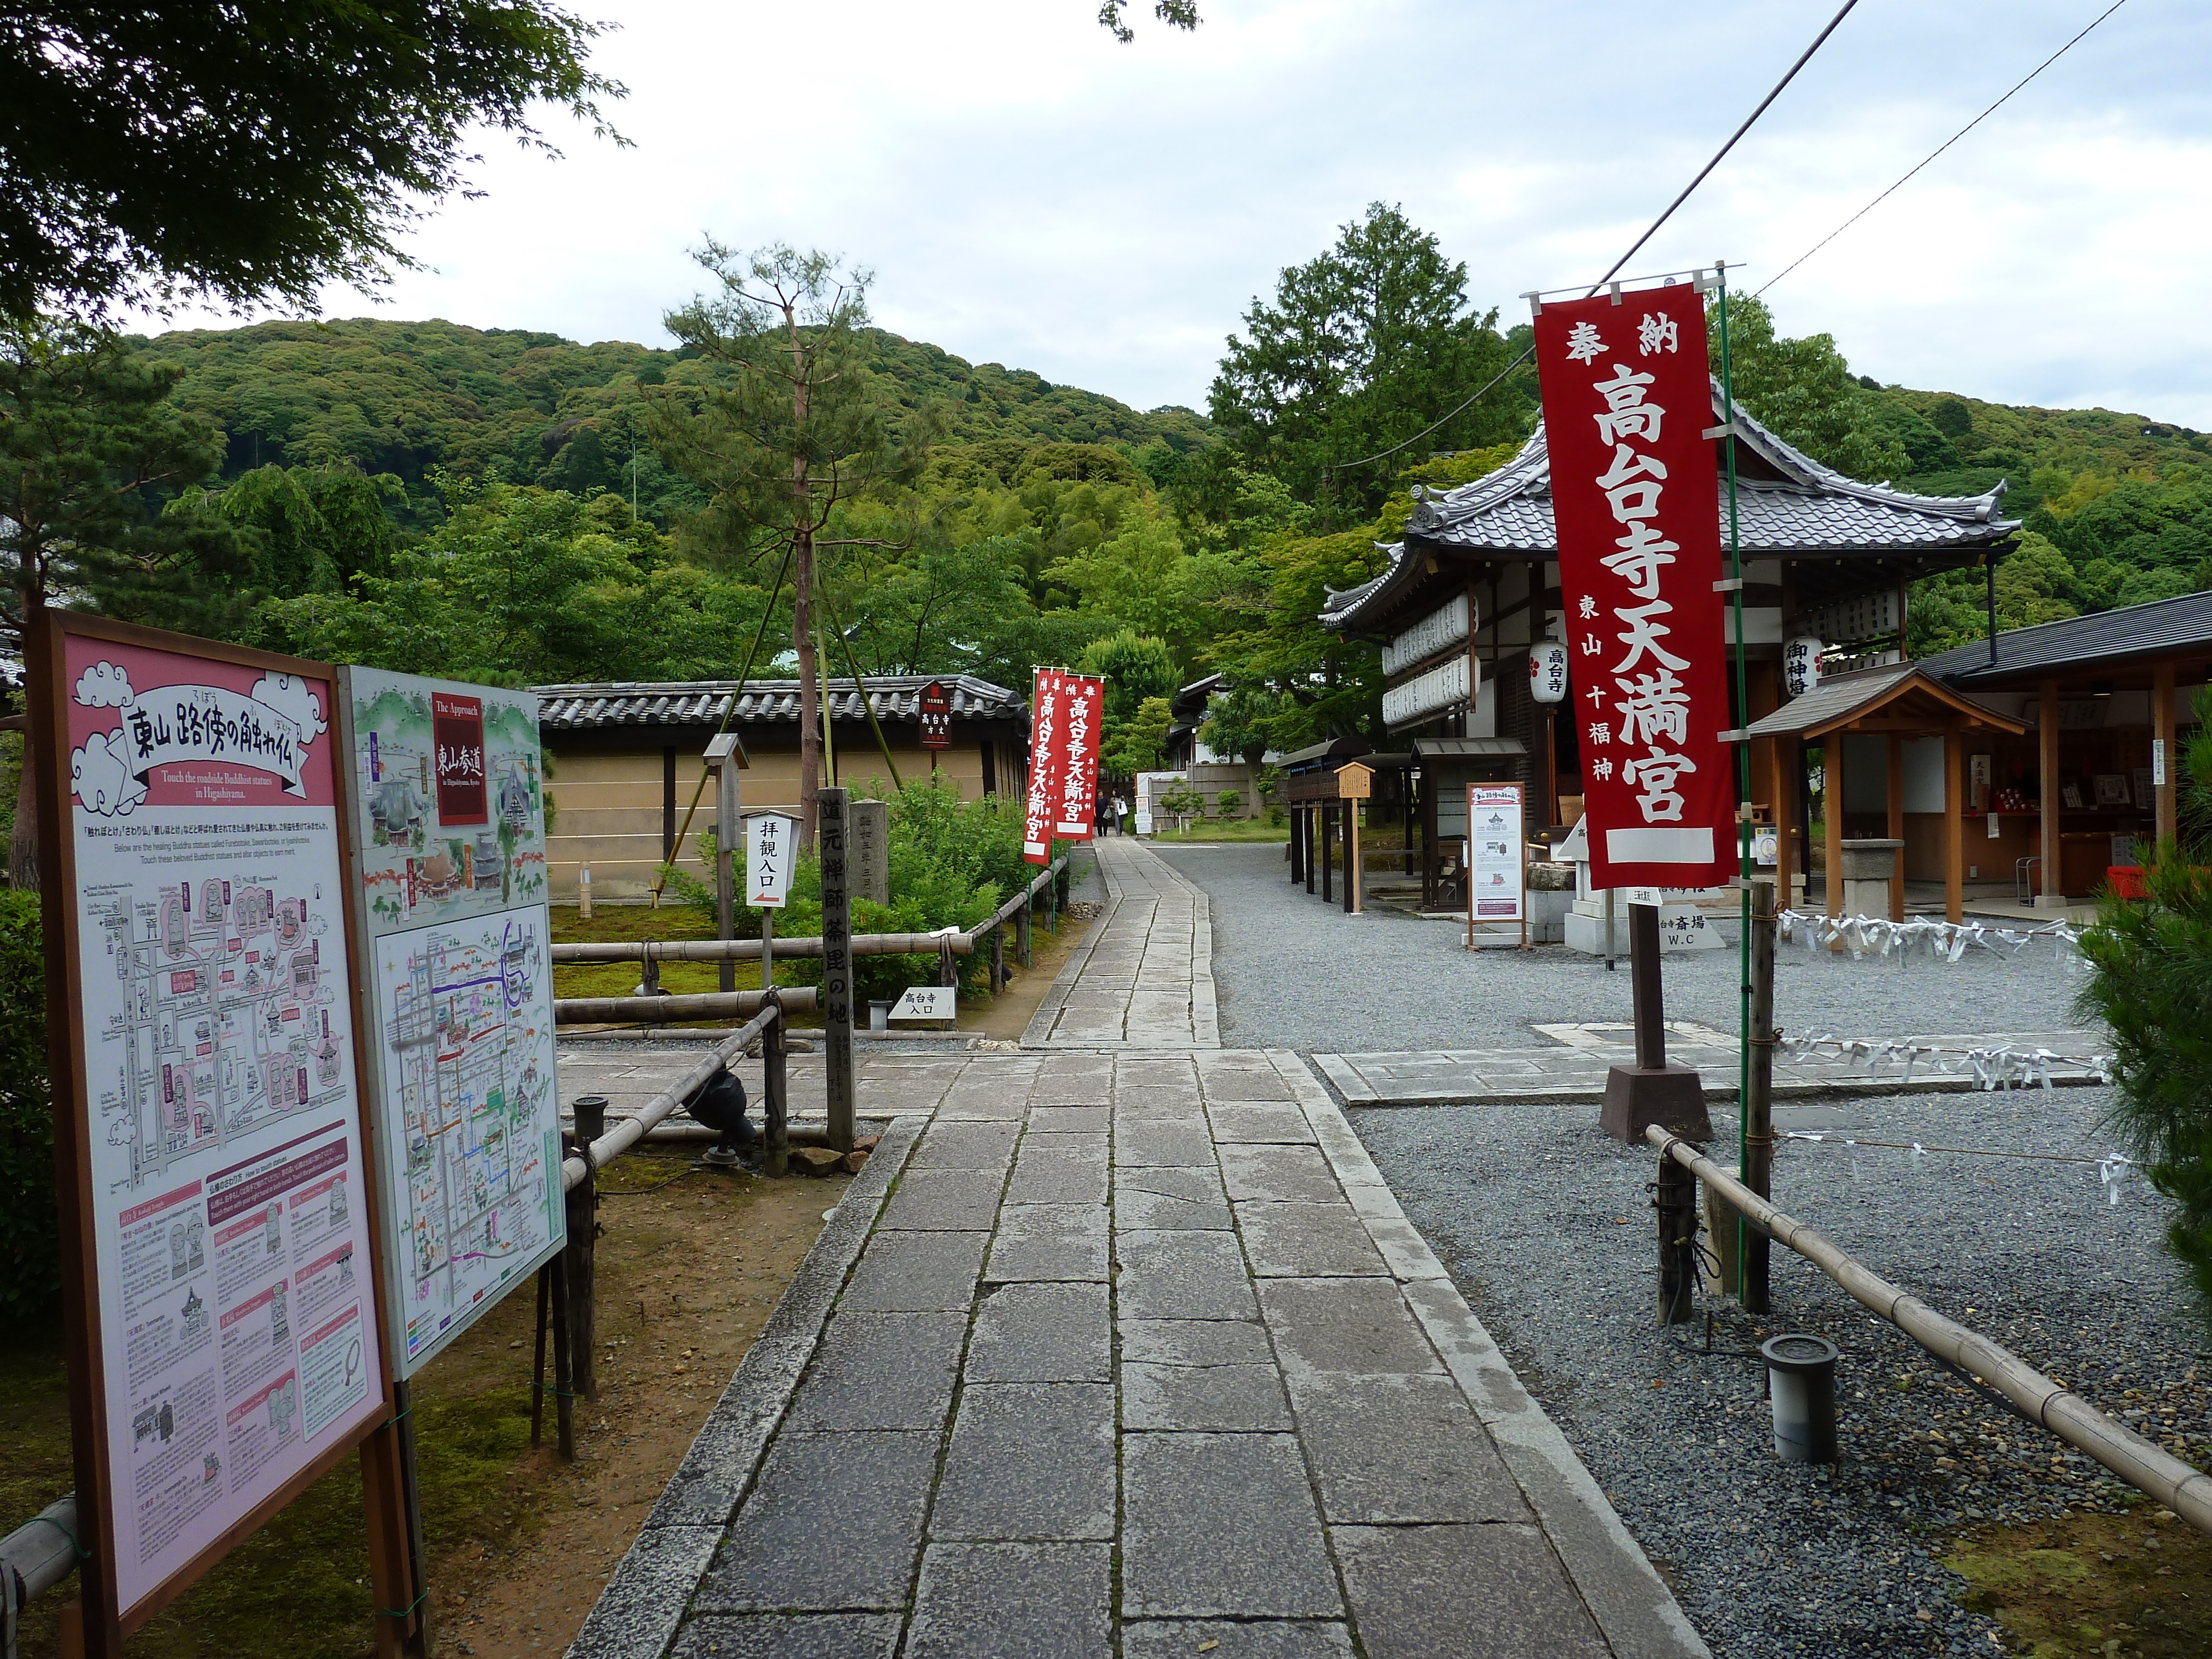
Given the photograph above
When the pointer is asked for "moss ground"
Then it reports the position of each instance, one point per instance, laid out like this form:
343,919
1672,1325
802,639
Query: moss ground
2093,1586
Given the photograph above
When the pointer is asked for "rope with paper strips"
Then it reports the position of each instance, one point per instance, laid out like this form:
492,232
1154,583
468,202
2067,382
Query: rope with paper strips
1946,941
1994,1066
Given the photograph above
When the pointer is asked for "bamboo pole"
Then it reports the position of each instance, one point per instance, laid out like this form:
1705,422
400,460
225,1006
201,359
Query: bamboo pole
631,1130
2141,1463
707,1005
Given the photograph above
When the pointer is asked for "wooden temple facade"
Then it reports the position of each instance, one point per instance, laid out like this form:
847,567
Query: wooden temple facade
1474,586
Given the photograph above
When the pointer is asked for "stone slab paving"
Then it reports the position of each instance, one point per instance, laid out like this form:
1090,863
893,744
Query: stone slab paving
1573,1069
1118,1353
1144,976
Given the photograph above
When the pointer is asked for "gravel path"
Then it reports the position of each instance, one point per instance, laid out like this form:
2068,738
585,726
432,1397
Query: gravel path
1546,1224
1292,972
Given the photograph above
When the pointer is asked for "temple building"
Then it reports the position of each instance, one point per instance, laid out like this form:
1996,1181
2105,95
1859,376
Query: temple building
624,761
1475,585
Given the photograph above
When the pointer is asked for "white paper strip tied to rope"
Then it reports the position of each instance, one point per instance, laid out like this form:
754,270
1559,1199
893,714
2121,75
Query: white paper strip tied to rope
2114,1169
1946,941
1994,1066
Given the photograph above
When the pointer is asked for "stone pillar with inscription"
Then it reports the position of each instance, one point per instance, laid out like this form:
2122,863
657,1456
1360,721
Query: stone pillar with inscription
833,822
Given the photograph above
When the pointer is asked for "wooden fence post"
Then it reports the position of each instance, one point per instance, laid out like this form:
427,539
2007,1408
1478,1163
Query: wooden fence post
1022,927
564,1384
1759,1095
591,1112
831,820
1675,1200
775,1151
998,957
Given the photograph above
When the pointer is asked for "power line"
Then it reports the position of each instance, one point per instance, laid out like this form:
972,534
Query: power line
1720,154
1939,149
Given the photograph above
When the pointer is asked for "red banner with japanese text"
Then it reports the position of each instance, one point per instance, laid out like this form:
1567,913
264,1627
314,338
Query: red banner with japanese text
1048,754
1627,392
1084,701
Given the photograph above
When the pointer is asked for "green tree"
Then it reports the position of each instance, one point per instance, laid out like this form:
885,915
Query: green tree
1137,747
89,451
254,149
1804,392
2150,982
797,428
1176,14
1363,347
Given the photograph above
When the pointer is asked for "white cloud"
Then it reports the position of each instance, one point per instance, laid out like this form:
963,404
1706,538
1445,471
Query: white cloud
103,685
102,779
1032,193
289,695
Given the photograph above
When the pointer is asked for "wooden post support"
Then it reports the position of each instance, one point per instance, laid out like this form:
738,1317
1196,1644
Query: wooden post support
538,1367
1352,857
1895,829
1312,818
2053,896
725,860
1674,1199
1954,827
1297,864
768,948
1022,928
831,819
1781,766
1832,809
776,1107
564,1376
591,1112
1759,1094
1327,893
395,1579
2162,734
998,958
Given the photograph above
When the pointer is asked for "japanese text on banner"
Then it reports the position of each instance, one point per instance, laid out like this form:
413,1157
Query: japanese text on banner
1047,737
1076,799
1627,391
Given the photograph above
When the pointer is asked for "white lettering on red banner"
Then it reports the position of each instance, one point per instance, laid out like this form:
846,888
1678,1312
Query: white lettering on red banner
1046,724
1626,388
1084,700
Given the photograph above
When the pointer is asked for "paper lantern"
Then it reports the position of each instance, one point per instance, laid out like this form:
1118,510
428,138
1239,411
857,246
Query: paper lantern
1548,671
1801,665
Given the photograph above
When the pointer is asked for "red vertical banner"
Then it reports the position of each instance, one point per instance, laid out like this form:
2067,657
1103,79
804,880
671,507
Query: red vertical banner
1083,698
1627,391
1048,741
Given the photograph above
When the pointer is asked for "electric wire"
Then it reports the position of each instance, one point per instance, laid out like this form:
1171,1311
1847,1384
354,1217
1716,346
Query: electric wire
1939,150
1719,155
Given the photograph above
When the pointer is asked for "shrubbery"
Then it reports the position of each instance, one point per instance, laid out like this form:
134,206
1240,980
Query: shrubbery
30,1266
952,863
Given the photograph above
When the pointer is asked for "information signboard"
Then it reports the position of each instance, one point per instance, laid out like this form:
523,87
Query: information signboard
771,848
936,716
448,810
225,1343
1496,853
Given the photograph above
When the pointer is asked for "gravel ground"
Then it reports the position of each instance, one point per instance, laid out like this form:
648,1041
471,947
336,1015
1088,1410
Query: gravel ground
1546,1224
1292,972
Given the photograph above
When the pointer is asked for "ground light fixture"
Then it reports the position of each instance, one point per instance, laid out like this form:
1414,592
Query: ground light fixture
1800,1380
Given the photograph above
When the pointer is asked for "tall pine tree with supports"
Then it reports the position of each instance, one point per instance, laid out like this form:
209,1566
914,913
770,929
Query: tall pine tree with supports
797,428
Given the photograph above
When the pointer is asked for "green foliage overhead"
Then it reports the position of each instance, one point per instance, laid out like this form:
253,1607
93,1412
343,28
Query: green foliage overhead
1804,392
1363,347
256,148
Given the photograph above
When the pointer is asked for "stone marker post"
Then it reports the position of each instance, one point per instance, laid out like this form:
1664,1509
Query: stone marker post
832,836
870,858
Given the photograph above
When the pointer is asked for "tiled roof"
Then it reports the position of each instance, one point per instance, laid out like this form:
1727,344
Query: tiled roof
1845,697
703,702
1808,509
2135,631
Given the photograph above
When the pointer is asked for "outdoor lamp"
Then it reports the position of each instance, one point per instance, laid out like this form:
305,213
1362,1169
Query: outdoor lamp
1800,1380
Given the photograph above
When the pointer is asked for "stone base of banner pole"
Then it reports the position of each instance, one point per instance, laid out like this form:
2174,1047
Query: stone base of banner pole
1654,1090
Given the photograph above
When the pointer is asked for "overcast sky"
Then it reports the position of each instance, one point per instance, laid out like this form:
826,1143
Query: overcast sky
1029,192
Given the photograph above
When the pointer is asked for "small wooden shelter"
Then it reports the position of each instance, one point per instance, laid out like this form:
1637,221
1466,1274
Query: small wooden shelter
1894,705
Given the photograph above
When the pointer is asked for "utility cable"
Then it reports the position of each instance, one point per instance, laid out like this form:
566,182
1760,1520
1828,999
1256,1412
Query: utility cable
1939,150
1804,57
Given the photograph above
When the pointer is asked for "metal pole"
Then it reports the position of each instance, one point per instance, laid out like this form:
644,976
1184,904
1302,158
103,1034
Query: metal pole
1610,951
564,1388
831,837
418,1642
538,1369
590,1114
725,862
1742,762
768,948
1759,1095
1674,1199
775,1152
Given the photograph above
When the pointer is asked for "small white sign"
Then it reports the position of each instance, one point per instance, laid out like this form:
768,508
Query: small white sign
939,1002
1685,927
2158,763
1646,895
771,848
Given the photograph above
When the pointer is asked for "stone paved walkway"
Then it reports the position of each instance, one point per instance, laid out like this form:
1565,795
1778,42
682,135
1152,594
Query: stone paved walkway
1144,976
1128,1354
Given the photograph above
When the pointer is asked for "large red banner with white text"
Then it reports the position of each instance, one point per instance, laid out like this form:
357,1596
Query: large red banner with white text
1628,394
1065,712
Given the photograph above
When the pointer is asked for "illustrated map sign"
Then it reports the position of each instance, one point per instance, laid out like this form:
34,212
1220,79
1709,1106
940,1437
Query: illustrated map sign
1627,396
1497,852
771,848
936,716
205,1065
449,822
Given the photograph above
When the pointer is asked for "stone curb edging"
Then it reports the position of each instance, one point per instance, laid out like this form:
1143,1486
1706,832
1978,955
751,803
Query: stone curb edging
641,1609
1634,1610
1038,1032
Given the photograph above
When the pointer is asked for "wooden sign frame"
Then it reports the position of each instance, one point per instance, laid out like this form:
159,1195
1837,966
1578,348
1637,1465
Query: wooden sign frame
101,1618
